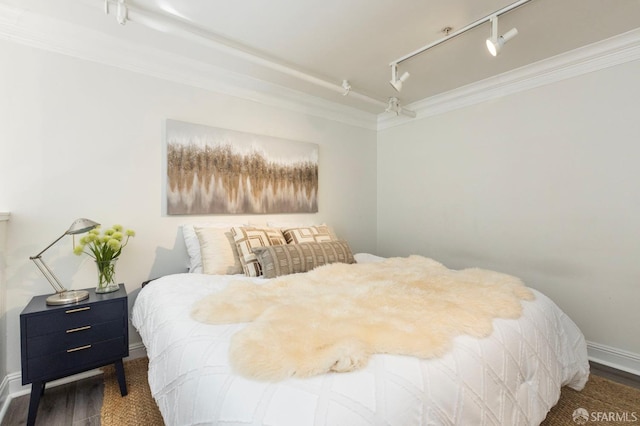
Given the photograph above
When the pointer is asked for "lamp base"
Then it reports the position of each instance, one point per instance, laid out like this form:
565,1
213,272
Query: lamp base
67,296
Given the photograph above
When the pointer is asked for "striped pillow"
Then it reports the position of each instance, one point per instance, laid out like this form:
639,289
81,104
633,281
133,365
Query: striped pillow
293,258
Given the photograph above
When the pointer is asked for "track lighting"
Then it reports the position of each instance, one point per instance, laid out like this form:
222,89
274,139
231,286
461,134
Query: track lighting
396,82
346,86
394,106
121,10
495,42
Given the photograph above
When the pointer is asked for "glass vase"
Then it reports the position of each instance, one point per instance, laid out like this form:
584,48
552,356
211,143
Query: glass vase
107,276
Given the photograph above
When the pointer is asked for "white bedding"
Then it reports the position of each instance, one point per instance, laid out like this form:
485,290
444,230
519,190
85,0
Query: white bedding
512,377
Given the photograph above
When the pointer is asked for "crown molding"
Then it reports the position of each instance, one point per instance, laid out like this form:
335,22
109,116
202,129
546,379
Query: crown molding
55,35
4,216
600,55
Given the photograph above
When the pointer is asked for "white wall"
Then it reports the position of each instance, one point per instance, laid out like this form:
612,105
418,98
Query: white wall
81,139
4,217
543,184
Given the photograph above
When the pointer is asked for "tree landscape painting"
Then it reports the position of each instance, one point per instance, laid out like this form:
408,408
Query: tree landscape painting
219,171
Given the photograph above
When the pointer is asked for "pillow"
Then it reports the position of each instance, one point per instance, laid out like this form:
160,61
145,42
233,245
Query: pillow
218,251
309,234
293,258
193,244
247,238
367,258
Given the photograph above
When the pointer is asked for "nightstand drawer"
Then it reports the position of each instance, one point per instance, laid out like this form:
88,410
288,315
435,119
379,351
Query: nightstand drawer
74,337
78,358
73,317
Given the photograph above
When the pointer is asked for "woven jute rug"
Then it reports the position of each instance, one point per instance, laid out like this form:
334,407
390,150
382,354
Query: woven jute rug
601,402
137,408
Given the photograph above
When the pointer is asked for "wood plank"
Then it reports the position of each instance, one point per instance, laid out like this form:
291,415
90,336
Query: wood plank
88,398
56,405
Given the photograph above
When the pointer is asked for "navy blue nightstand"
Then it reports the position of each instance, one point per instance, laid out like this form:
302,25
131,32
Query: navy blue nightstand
58,341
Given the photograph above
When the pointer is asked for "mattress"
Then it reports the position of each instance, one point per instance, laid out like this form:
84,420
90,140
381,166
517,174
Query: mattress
512,377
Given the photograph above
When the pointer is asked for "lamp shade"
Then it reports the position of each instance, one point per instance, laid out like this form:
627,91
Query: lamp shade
81,225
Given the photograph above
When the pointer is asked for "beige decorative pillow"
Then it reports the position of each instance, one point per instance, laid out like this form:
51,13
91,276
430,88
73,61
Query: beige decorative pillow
293,258
309,234
247,238
193,244
218,251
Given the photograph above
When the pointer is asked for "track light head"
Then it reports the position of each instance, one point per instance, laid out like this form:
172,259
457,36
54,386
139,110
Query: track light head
121,12
394,106
495,43
396,82
347,87
495,46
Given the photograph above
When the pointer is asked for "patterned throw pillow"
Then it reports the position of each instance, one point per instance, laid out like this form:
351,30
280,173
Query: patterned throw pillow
309,234
293,258
247,238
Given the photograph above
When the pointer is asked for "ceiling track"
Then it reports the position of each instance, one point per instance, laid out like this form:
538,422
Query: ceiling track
458,32
190,32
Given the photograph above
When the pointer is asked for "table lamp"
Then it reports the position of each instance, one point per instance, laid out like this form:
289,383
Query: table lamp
63,296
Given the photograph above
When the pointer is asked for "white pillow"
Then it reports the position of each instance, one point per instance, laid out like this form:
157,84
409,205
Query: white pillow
367,258
193,244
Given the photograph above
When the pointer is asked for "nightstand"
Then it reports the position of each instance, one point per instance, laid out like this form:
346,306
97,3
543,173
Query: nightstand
58,341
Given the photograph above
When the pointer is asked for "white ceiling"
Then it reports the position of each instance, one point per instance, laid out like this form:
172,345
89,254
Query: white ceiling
288,42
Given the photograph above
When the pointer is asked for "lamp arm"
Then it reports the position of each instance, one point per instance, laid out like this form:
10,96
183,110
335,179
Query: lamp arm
48,274
48,247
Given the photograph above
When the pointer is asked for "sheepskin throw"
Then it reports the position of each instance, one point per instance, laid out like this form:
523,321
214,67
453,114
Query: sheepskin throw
334,317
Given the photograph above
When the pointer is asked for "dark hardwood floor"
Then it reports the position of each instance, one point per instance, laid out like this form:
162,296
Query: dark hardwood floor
79,403
615,375
72,404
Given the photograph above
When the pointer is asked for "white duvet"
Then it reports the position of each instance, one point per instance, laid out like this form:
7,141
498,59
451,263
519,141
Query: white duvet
512,377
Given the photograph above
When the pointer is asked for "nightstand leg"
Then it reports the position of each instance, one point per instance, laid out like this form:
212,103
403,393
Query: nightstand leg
37,389
121,379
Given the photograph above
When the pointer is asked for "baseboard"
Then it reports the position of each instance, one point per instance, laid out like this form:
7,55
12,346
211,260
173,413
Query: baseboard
5,399
614,358
12,387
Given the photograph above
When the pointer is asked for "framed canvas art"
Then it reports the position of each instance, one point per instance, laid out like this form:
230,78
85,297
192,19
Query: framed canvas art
219,171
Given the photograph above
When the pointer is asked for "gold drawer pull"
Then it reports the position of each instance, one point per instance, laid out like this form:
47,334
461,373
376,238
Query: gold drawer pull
73,330
79,348
71,311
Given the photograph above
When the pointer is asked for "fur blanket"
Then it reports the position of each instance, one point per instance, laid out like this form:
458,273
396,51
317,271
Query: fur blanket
334,317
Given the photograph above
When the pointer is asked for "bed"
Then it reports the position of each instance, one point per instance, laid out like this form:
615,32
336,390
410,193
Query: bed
511,377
